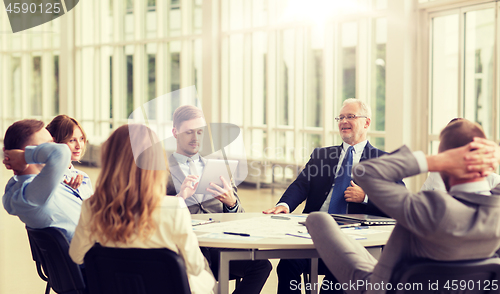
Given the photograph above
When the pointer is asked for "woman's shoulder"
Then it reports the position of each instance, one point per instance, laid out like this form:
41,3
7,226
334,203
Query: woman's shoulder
172,202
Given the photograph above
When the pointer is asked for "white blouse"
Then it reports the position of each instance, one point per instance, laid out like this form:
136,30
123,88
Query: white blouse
173,231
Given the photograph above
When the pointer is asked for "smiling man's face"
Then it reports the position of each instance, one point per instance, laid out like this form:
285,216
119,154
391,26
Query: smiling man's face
353,131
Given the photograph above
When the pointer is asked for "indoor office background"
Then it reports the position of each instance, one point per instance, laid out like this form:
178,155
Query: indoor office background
278,69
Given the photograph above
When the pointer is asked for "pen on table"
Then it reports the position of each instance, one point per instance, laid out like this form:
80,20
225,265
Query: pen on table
280,217
361,227
237,234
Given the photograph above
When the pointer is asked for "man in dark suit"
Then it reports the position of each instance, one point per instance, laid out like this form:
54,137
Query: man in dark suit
316,184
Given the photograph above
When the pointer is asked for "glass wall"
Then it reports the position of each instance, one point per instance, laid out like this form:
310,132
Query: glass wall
296,66
277,70
463,69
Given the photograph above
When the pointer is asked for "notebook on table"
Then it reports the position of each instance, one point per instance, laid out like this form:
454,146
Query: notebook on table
364,219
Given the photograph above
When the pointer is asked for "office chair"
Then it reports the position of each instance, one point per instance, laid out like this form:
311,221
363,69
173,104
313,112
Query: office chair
49,248
470,276
135,271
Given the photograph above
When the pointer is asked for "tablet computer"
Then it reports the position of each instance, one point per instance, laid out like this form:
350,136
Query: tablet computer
213,170
365,219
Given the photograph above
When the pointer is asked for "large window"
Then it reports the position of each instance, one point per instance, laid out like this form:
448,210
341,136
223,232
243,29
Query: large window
293,66
463,69
275,69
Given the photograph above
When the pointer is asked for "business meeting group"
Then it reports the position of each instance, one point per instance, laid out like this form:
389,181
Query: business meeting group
145,198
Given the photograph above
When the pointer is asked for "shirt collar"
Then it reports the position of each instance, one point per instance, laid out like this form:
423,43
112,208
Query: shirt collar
182,159
358,148
481,187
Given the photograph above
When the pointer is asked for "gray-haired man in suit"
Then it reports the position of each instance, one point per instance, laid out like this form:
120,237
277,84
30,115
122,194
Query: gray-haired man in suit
458,224
186,165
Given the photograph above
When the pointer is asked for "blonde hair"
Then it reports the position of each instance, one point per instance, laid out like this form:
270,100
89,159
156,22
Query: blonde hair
127,194
61,128
185,113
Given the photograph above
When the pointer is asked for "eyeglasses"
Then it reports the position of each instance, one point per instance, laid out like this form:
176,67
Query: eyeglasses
349,117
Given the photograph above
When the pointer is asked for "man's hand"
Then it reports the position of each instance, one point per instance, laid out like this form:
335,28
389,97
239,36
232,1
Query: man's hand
483,146
354,193
187,187
223,194
6,159
74,182
276,210
14,159
476,159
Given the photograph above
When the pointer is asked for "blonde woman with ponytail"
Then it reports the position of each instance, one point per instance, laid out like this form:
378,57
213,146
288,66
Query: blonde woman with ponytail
129,209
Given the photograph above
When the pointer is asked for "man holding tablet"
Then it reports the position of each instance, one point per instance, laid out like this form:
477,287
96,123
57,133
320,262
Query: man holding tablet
186,166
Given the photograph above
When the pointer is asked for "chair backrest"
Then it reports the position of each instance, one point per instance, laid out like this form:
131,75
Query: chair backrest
465,277
135,271
50,248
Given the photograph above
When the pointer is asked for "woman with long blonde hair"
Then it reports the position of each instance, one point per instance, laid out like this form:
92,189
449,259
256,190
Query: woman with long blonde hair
129,209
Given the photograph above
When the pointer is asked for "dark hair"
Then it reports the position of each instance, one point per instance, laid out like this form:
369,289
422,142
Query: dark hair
459,133
61,128
19,133
185,113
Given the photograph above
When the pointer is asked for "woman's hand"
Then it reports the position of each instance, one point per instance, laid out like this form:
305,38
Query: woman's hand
74,182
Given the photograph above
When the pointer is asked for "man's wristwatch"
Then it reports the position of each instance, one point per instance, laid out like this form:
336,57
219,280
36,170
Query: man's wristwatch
233,207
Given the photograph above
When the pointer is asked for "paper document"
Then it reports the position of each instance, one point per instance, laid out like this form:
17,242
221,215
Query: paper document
264,226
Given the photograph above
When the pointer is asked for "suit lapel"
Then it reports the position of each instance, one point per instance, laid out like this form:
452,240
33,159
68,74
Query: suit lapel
176,172
366,152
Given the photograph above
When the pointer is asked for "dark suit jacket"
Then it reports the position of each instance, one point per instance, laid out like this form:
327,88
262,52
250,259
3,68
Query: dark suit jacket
315,181
209,204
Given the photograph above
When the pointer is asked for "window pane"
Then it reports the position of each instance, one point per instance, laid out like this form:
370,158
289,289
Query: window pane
129,78
444,71
86,106
259,78
378,74
16,86
86,22
259,11
314,101
36,86
378,143
259,144
56,85
312,141
236,16
175,19
129,19
236,49
151,19
348,59
56,32
106,7
286,96
175,72
175,66
285,147
197,16
151,82
198,66
478,79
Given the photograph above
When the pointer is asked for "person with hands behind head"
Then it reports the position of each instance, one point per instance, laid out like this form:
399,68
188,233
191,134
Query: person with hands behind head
460,223
435,182
186,165
36,193
67,130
